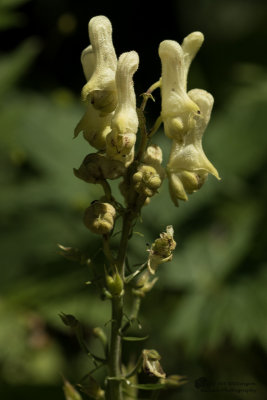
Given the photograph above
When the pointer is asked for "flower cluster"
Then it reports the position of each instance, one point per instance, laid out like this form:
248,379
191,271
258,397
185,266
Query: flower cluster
110,123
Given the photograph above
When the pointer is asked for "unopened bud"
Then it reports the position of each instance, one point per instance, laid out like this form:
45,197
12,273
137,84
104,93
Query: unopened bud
153,155
119,146
114,284
99,218
96,168
100,334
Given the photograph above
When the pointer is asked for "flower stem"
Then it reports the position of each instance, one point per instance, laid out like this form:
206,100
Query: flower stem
114,391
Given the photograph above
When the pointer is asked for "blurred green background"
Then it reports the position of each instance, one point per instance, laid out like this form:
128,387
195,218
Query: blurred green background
208,312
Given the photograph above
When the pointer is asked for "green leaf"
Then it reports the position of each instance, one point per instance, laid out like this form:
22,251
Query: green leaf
134,338
148,386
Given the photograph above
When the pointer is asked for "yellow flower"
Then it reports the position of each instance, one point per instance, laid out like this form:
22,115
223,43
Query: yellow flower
124,124
100,76
178,109
100,89
188,166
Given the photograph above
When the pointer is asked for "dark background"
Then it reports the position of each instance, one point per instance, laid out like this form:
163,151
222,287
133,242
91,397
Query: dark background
207,313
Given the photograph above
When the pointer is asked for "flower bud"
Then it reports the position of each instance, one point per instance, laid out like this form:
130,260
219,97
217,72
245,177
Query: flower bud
96,167
100,334
153,155
114,284
151,363
99,218
124,124
100,90
161,250
146,180
120,146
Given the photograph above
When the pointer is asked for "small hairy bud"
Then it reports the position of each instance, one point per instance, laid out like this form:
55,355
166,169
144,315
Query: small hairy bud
146,181
153,155
99,218
124,124
161,250
151,363
96,167
100,90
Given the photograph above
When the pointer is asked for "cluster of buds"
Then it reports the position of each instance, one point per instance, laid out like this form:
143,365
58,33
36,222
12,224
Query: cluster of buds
149,176
161,250
185,117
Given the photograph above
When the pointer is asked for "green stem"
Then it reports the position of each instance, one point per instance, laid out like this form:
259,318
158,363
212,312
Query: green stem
126,230
114,391
134,314
107,251
114,386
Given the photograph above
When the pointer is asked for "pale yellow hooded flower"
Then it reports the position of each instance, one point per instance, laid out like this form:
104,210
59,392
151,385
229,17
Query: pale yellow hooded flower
124,124
100,90
178,109
95,124
188,166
